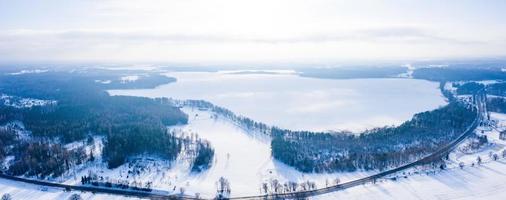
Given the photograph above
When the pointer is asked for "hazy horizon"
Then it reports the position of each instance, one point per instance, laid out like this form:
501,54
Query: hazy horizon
246,32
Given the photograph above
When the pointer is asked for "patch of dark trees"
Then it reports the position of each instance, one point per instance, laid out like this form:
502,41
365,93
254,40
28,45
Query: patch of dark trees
498,89
44,159
379,148
459,73
7,139
204,158
496,105
468,88
242,121
133,125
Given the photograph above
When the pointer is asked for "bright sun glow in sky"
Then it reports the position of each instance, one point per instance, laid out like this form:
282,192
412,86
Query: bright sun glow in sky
250,31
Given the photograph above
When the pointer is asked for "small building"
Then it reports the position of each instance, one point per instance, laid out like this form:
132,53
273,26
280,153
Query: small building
502,135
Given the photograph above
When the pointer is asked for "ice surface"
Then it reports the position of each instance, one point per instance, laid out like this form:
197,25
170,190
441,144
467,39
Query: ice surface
301,103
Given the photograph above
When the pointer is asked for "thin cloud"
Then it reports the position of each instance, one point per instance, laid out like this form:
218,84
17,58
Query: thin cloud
390,34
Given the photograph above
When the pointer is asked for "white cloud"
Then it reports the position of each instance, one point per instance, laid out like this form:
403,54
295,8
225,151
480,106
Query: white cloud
251,31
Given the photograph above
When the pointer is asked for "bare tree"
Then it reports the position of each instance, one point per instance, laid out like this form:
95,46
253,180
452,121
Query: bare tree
264,188
223,188
7,196
275,186
337,181
292,186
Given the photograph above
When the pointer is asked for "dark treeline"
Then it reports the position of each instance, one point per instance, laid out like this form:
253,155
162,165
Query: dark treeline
242,121
7,138
468,88
496,105
43,159
498,89
378,148
134,139
459,73
133,125
353,72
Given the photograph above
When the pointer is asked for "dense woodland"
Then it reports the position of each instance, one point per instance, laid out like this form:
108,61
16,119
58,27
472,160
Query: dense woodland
7,138
44,159
496,105
378,148
132,125
459,73
468,88
242,121
496,91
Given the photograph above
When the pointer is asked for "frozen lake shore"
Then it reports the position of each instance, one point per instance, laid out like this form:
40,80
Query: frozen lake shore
298,103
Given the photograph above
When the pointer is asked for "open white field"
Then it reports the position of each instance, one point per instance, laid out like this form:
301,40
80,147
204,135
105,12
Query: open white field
480,182
242,157
24,191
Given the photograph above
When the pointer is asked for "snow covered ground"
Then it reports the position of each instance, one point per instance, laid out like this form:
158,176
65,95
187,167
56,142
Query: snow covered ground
242,157
20,102
480,182
300,103
24,191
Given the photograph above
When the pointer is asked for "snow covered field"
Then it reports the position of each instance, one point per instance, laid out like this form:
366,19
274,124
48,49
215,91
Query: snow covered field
299,103
25,191
480,182
242,157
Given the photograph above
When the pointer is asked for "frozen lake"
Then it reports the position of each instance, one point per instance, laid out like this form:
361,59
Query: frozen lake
299,103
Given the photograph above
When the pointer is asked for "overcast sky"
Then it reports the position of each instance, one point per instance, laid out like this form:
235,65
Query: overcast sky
229,31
